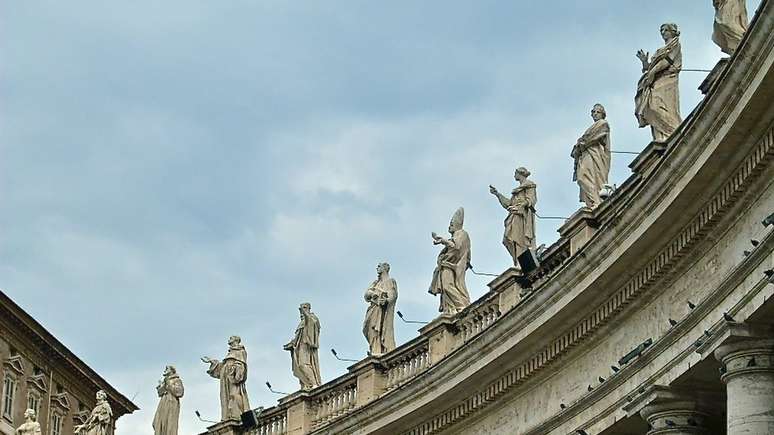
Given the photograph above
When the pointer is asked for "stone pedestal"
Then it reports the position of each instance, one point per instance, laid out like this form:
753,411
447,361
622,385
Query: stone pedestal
226,427
579,229
749,379
371,380
508,289
443,337
300,413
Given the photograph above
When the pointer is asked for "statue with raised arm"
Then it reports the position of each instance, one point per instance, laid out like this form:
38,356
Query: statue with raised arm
378,326
304,348
520,223
100,421
170,390
657,102
730,24
30,425
592,158
453,262
232,373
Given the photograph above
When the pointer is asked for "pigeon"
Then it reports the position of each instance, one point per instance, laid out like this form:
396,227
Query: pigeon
691,305
673,322
727,317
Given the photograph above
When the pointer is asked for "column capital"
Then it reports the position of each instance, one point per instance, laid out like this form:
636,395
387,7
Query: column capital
669,411
746,357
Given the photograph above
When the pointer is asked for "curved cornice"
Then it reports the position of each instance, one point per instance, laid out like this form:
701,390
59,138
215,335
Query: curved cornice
719,150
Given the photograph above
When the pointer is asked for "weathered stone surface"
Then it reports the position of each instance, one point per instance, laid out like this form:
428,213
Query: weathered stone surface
520,223
100,421
378,326
232,373
592,158
304,349
170,389
730,24
452,265
30,426
657,102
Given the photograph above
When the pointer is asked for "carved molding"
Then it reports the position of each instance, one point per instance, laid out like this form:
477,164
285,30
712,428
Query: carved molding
15,364
38,382
60,401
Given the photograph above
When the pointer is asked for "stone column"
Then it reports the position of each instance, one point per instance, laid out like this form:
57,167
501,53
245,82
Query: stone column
670,411
749,379
678,417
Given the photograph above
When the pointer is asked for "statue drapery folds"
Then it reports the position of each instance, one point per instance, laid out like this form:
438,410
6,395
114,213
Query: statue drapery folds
304,348
657,102
453,262
592,158
378,326
232,373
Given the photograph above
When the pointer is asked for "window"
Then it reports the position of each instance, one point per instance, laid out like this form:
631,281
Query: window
56,424
33,402
9,393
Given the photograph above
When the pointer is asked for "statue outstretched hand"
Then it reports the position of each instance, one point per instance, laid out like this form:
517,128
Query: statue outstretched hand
493,190
206,360
643,56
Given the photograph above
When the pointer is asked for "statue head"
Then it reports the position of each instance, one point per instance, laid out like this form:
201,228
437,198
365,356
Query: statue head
305,309
669,31
101,396
30,415
170,370
382,268
521,174
598,112
457,220
234,340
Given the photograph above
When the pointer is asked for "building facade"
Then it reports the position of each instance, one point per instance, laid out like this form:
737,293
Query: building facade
40,373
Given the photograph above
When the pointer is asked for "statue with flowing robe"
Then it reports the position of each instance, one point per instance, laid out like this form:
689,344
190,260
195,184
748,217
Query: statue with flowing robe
232,373
170,390
657,102
100,421
730,24
30,425
453,262
519,232
592,158
378,326
304,347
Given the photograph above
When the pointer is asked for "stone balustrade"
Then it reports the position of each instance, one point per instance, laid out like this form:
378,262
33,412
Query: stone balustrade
273,421
336,401
479,317
407,364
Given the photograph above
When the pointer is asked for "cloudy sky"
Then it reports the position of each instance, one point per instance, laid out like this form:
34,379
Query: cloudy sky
172,173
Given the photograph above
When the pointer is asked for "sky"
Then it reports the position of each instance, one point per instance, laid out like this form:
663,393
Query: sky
173,173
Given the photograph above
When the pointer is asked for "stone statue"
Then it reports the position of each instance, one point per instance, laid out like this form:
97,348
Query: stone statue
100,421
378,326
592,158
304,347
170,390
520,223
730,24
658,98
232,372
453,262
30,426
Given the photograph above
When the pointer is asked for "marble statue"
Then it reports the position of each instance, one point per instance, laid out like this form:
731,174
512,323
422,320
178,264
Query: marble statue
100,421
520,223
30,426
378,326
592,158
453,261
730,24
304,348
232,373
170,390
658,98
